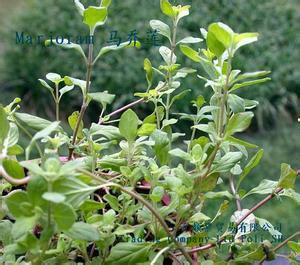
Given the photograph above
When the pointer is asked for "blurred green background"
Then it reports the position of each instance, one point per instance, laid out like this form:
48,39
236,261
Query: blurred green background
278,21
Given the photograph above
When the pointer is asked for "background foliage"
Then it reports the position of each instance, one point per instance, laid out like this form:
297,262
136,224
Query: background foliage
277,50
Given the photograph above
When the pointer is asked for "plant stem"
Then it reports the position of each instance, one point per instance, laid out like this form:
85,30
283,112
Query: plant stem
117,111
281,245
253,209
56,103
85,98
12,180
237,197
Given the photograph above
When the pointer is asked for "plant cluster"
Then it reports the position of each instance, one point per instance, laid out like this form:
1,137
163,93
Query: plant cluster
92,196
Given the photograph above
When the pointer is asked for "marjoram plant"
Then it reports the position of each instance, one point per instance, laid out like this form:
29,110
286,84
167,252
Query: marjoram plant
132,190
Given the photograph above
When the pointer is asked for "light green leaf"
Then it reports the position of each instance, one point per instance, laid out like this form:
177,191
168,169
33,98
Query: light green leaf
249,83
4,125
199,218
157,194
236,103
105,3
252,164
103,98
46,132
65,90
179,96
217,195
78,82
54,78
15,150
234,140
129,253
64,215
181,154
72,120
219,38
14,203
13,168
126,44
167,55
291,194
244,39
44,84
54,197
190,53
149,71
112,201
189,40
294,246
128,125
83,231
263,223
13,135
167,8
94,16
287,177
31,121
265,187
227,162
161,28
146,129
238,123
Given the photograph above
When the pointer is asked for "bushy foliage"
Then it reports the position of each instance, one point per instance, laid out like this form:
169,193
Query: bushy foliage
119,190
277,21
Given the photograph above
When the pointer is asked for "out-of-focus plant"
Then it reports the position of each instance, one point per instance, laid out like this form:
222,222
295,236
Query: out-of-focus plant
124,193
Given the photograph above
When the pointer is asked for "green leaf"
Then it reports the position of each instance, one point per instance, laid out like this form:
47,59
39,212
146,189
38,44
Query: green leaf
249,83
94,16
13,135
219,38
54,197
236,103
252,164
244,39
265,187
33,167
199,218
78,82
238,123
15,150
64,215
126,44
46,132
72,120
83,231
128,125
227,162
149,71
45,84
54,78
129,253
14,203
65,90
287,177
263,223
146,129
5,232
291,194
179,96
112,201
167,55
190,40
234,140
181,154
217,195
251,257
294,246
105,3
31,121
13,168
157,194
167,8
161,146
190,53
161,28
4,125
103,98
209,183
